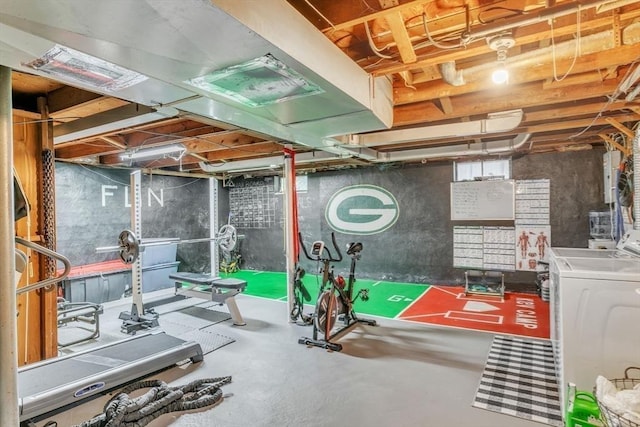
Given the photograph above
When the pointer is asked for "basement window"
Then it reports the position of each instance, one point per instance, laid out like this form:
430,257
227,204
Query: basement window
482,170
256,83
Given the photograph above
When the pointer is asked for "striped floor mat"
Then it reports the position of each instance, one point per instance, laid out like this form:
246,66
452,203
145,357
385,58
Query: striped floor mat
519,380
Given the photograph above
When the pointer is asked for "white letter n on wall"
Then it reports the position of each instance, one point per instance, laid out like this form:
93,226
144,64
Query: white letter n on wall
160,199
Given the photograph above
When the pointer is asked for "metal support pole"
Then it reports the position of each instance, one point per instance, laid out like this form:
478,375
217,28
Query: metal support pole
136,225
9,414
213,226
290,237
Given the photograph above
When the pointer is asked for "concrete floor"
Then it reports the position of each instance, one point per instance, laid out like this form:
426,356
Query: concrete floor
396,374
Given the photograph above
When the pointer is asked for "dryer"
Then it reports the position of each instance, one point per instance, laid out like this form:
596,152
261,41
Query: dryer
595,315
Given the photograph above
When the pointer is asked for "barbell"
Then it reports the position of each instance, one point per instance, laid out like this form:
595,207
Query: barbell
129,246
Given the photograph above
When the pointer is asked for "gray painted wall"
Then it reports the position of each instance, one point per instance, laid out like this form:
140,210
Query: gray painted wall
92,210
418,248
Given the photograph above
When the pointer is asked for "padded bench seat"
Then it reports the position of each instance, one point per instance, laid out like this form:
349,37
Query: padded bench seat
220,290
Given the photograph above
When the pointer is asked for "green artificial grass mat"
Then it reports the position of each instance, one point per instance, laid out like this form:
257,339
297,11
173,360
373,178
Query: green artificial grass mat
386,299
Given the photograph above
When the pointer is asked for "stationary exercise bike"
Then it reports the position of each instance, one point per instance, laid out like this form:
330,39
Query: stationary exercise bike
335,298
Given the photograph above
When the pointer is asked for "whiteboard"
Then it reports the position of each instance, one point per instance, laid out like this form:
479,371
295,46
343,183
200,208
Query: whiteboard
483,200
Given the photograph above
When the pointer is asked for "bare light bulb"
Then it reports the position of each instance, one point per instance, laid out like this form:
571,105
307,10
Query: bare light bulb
500,76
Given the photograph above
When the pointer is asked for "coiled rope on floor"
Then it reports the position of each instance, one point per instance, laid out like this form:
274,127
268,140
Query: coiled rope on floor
124,411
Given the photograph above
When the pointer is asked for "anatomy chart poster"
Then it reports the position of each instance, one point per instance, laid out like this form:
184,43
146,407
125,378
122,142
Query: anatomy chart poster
532,245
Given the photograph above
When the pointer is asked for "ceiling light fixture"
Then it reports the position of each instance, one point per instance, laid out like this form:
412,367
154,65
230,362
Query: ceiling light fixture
172,150
71,65
500,44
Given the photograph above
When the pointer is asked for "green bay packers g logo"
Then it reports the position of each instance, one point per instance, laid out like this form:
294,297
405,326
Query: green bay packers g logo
362,209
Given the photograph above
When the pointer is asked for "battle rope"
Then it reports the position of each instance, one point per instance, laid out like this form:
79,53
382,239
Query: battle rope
123,411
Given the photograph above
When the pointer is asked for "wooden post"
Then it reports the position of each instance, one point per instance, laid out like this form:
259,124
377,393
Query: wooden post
9,414
48,296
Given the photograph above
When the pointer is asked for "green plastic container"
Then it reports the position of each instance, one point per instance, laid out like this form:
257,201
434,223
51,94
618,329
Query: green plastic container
582,410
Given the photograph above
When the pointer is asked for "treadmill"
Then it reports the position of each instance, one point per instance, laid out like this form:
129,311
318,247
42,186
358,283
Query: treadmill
54,385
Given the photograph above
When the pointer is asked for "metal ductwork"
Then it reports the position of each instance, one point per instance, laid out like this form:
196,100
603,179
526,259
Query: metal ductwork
452,75
494,123
448,151
178,50
455,151
267,162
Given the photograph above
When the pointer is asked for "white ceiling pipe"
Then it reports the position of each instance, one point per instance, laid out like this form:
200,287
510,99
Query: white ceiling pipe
495,123
459,150
531,18
267,162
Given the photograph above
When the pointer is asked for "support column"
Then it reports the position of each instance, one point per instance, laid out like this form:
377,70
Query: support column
291,240
9,414
213,227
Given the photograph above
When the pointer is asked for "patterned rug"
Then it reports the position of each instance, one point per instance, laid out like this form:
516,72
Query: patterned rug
519,379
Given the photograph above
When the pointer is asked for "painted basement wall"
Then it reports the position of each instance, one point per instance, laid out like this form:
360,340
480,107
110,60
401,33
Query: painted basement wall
92,209
418,248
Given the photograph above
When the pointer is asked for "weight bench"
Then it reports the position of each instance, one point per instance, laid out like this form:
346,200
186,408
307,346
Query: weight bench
220,290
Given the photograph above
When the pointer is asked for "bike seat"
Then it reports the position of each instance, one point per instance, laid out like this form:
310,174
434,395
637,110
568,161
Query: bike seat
354,248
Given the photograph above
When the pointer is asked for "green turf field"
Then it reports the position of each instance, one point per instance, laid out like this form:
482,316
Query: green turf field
386,299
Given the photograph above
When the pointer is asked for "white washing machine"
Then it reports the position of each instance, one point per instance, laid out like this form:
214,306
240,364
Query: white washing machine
595,315
587,253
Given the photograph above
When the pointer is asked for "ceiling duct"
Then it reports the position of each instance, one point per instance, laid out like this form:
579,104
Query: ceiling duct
176,50
266,162
449,151
494,123
456,151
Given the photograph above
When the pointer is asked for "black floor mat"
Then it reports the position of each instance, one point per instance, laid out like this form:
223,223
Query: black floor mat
206,314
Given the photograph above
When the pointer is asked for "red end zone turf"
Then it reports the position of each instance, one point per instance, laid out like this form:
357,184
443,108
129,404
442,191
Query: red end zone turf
519,314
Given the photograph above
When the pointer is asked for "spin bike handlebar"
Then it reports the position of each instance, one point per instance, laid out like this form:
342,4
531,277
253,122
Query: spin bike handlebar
321,250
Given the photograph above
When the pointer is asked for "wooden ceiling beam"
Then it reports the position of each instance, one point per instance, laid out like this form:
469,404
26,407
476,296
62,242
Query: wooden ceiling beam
563,111
255,150
578,124
401,37
622,128
625,150
68,97
504,99
375,15
85,150
163,133
528,71
531,34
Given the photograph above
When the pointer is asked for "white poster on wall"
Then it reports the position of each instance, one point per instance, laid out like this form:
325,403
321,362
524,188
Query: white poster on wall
532,245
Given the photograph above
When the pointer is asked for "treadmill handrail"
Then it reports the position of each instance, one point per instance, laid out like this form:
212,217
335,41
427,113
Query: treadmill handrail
49,253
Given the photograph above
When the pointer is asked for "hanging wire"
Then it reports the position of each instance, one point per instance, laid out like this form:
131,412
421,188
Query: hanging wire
611,99
576,53
320,14
435,42
373,46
